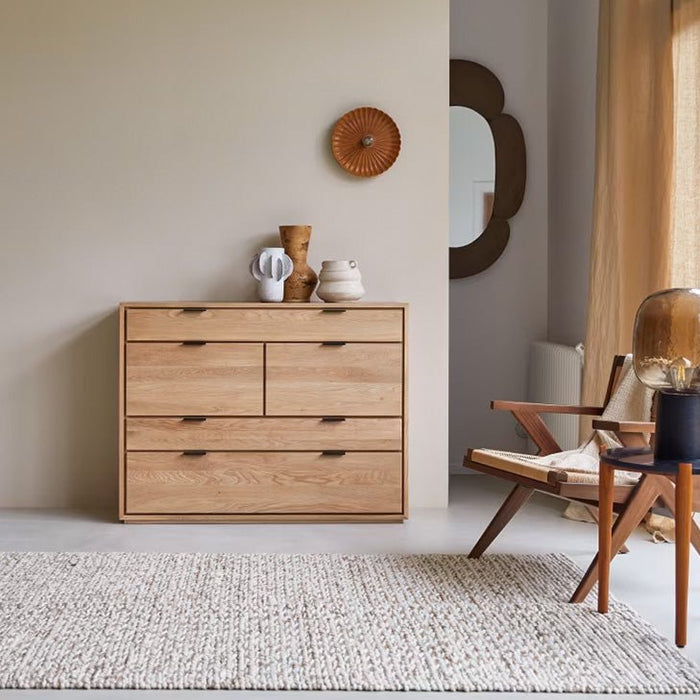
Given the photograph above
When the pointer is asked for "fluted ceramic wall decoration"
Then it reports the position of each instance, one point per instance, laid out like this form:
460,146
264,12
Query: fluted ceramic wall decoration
301,283
271,267
365,141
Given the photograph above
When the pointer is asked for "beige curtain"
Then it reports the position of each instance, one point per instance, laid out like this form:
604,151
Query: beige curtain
685,240
646,228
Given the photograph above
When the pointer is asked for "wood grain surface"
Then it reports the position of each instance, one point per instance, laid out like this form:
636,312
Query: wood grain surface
263,482
263,434
357,379
330,322
166,379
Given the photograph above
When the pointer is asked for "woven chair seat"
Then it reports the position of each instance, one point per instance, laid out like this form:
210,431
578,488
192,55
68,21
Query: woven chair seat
531,467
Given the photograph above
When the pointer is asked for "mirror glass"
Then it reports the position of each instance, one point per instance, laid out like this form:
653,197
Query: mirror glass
472,175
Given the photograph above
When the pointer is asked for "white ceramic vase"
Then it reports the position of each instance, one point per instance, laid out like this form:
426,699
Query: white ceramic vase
340,280
271,267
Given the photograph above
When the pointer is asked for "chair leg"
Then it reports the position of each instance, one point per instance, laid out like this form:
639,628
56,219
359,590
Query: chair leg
516,499
636,507
593,511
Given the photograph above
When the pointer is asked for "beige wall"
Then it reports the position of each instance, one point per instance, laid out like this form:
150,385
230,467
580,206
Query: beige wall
148,147
572,56
496,314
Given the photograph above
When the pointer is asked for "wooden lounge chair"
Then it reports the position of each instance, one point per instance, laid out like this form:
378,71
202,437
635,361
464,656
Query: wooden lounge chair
632,501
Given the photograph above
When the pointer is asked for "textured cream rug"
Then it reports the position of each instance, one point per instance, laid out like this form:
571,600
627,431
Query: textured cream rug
336,622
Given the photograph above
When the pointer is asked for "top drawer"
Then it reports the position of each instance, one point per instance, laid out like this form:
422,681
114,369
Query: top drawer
275,324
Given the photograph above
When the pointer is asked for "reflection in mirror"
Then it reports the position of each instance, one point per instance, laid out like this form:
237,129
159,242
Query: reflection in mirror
472,175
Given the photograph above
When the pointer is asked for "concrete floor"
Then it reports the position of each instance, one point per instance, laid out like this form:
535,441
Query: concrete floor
643,578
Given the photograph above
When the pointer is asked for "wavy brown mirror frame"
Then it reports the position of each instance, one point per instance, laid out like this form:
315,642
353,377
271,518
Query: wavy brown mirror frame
476,87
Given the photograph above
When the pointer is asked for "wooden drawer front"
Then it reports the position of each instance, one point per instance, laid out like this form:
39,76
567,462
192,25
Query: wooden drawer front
263,434
263,482
312,324
165,379
357,379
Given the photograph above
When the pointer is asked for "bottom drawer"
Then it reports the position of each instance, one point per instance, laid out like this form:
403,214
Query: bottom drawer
263,482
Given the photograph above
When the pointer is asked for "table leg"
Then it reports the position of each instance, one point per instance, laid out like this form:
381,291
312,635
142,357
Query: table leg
684,505
605,516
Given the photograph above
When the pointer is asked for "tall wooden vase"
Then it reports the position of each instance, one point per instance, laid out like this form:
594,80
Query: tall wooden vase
300,285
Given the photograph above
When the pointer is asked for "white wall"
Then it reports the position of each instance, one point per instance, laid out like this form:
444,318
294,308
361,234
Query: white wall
573,40
496,314
148,147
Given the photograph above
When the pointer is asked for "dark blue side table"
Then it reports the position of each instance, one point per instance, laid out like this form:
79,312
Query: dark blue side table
641,460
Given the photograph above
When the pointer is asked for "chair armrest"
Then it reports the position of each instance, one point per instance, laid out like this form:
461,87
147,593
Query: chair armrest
625,426
546,408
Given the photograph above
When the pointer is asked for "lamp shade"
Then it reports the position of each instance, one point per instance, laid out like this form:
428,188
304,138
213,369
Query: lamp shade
667,341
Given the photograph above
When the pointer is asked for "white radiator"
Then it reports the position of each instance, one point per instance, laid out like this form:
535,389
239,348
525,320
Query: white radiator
554,376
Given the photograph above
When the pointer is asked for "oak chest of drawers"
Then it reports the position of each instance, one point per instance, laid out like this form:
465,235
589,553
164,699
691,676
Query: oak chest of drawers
273,412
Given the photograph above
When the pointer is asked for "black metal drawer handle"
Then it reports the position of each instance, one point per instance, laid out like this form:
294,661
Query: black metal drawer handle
333,453
194,453
194,419
194,342
334,342
332,419
194,309
333,311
